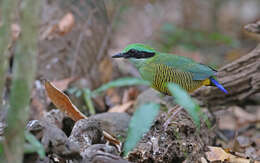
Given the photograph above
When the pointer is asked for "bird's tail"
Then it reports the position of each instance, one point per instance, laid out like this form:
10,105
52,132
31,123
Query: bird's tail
217,84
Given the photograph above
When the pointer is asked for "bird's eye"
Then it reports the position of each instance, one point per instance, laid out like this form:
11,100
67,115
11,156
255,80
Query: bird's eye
132,51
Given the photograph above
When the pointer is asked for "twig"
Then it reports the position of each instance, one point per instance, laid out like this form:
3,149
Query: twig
82,33
108,35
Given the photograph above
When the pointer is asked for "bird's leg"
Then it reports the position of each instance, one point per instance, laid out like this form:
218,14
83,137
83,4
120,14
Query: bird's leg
172,112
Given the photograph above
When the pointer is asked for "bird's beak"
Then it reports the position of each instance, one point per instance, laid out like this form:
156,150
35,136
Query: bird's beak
119,55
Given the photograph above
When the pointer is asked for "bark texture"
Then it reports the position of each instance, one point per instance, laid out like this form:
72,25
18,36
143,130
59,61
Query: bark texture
7,10
241,78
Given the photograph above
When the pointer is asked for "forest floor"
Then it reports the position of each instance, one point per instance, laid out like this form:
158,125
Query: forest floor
70,35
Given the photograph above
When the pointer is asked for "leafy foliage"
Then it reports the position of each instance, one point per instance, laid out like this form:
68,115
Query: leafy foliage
127,81
183,99
2,156
1,148
74,90
172,36
34,146
88,101
88,94
140,124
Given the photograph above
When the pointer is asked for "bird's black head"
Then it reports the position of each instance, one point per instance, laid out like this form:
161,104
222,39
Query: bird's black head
137,51
133,53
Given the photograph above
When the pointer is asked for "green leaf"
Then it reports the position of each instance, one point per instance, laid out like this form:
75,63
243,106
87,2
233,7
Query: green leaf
28,148
2,154
218,37
206,120
183,99
127,81
1,148
78,93
72,90
88,101
34,146
140,124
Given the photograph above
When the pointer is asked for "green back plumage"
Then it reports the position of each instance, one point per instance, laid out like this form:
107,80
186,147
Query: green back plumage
198,71
165,68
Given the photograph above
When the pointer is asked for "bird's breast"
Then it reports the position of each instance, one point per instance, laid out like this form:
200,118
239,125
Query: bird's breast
164,74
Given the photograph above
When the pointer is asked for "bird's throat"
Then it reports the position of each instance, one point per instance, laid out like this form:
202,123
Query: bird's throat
137,62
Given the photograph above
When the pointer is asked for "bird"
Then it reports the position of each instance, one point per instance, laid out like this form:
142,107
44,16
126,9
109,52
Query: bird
159,69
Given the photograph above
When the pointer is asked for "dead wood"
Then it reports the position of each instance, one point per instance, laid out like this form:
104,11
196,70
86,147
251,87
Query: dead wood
253,27
241,78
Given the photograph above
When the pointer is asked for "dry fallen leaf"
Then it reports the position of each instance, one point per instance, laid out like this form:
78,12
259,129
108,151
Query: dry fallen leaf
122,108
218,154
66,24
62,102
130,94
112,97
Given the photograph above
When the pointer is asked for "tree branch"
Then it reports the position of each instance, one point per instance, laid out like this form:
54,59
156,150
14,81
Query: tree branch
23,77
7,10
241,78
